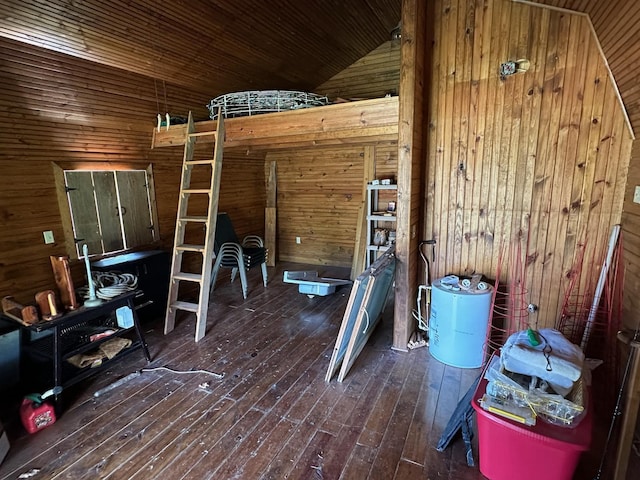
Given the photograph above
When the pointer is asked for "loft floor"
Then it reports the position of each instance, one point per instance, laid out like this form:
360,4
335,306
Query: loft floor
272,416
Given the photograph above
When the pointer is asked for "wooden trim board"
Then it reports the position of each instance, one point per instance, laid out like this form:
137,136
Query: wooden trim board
365,121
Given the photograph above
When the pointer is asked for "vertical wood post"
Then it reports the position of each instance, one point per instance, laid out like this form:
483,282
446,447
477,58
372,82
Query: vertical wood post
360,247
414,68
630,416
270,213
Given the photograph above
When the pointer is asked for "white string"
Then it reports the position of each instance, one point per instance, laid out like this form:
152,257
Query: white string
366,314
182,372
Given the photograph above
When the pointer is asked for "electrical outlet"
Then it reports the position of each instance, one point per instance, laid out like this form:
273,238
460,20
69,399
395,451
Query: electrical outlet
298,240
48,237
636,195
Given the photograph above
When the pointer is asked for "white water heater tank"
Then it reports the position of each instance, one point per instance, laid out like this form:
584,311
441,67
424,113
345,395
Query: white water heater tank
458,324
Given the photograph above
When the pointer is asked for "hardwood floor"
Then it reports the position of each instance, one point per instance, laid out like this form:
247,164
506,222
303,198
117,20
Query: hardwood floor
271,416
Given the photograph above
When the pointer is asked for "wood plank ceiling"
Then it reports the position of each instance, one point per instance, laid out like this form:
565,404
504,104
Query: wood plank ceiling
212,47
220,46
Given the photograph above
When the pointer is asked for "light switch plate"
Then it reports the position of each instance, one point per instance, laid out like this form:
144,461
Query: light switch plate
48,237
636,194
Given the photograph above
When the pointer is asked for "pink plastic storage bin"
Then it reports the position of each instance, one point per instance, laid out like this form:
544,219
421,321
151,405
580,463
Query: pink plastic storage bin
510,450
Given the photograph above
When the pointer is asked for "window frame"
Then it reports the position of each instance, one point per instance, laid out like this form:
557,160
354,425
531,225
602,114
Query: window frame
59,169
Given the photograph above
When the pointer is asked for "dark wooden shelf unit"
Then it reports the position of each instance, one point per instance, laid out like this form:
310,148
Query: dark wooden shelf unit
57,340
152,268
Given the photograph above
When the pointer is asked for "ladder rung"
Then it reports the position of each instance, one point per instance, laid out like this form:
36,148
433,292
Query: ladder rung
193,218
202,134
189,277
190,248
199,162
196,190
188,306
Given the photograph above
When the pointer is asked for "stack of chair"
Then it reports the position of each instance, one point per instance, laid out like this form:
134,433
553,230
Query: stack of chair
240,257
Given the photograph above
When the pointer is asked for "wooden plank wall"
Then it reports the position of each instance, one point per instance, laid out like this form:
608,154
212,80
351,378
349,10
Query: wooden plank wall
319,189
56,108
374,75
318,195
537,160
242,188
631,256
617,25
386,161
631,234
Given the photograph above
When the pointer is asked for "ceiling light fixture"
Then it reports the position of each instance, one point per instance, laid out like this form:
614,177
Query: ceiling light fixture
512,67
396,33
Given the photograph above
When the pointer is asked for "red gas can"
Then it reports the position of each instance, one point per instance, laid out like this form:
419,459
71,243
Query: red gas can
35,416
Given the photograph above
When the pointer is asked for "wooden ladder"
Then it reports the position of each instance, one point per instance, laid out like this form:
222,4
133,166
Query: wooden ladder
209,223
